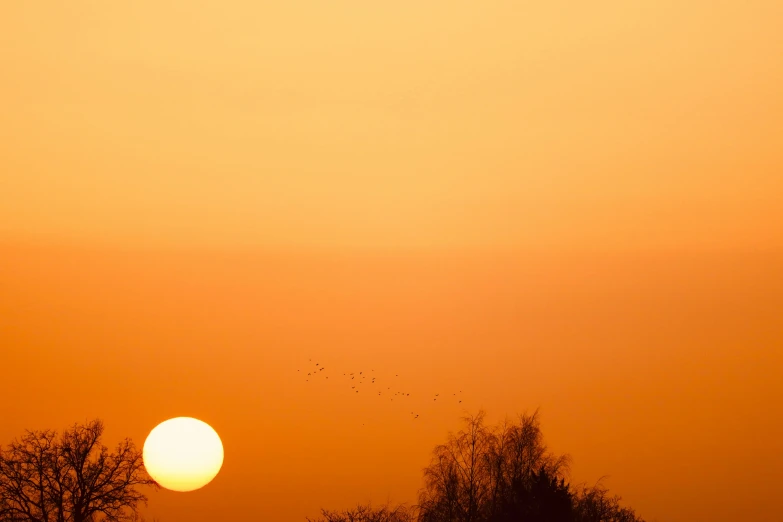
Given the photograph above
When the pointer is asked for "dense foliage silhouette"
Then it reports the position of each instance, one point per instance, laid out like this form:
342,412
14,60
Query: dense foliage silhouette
502,473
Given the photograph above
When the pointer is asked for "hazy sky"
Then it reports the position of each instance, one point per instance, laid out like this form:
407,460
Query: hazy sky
568,205
394,123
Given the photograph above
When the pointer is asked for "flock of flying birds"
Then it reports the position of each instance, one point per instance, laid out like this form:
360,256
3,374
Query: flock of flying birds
367,381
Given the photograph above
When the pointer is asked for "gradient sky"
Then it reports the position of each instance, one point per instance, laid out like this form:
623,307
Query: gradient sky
568,206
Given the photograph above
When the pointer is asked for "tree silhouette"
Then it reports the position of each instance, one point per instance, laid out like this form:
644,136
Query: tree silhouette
71,478
483,474
366,513
594,504
544,499
503,473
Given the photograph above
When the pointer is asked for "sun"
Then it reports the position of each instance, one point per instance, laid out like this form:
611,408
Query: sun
183,454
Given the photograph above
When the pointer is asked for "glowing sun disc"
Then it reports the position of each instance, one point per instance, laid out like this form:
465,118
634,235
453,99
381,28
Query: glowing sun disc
183,454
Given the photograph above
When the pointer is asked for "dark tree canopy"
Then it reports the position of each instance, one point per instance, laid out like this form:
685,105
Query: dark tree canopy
544,498
71,478
506,473
501,473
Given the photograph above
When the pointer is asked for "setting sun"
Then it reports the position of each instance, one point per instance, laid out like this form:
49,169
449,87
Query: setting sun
183,454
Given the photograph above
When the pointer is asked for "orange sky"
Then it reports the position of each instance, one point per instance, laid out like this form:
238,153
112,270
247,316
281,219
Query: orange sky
575,207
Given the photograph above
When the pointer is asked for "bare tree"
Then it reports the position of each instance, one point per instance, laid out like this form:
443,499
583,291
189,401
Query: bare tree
71,478
458,480
595,504
479,470
366,513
